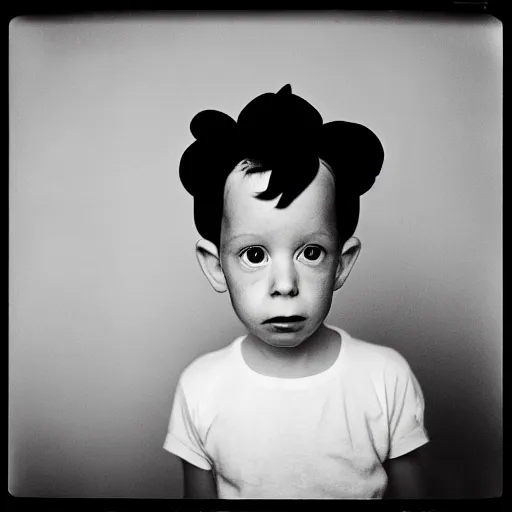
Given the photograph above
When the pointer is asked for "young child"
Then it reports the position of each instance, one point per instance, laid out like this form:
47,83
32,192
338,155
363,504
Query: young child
295,408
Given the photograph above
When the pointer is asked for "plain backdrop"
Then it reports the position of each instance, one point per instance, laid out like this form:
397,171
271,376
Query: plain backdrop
107,304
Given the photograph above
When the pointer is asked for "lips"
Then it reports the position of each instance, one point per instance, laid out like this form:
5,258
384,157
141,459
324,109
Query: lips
284,320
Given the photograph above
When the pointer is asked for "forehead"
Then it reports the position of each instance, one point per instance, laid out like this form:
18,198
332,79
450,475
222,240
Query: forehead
313,209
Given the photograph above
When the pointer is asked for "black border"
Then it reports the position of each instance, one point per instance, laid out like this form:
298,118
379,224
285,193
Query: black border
422,8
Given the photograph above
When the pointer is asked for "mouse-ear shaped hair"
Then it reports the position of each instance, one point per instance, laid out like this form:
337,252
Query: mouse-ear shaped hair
209,124
209,159
354,153
283,133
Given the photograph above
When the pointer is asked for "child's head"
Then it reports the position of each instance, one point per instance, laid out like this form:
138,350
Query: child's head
276,198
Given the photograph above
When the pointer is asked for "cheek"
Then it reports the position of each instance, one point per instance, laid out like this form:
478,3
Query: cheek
318,280
245,289
321,294
317,289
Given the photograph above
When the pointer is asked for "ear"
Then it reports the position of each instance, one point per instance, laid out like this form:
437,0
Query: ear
209,260
347,259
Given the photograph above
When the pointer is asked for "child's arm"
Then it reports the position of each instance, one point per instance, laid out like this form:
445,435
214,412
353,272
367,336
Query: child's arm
406,476
198,483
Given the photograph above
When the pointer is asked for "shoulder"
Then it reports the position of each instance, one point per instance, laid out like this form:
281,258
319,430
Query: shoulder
208,369
372,356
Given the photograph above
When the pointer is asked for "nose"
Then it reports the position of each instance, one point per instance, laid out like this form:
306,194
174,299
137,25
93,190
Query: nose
284,278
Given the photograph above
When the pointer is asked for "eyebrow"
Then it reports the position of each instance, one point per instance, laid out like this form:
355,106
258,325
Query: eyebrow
307,235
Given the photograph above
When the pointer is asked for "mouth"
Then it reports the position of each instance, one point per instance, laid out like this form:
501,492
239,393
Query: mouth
285,323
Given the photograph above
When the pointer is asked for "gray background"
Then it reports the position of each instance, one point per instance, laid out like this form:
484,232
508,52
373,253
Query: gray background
107,303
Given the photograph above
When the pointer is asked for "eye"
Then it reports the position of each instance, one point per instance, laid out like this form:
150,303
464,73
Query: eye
312,254
254,256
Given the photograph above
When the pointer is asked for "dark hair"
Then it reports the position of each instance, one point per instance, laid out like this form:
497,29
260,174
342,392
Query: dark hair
285,134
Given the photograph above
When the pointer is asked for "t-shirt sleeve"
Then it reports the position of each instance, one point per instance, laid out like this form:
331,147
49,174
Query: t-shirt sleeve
406,422
182,437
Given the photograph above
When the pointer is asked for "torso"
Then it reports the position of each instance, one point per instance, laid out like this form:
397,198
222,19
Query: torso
298,430
324,435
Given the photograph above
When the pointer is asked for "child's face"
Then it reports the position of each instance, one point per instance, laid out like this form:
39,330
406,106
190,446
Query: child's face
280,262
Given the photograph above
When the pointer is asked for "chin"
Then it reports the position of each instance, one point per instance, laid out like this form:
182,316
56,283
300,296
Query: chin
285,340
283,344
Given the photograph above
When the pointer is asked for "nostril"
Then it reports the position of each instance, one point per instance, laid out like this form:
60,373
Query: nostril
278,293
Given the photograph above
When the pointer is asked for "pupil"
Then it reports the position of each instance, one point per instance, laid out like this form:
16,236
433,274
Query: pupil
312,253
255,255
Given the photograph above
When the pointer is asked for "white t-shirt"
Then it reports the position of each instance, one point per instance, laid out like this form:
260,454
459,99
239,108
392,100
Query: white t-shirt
321,436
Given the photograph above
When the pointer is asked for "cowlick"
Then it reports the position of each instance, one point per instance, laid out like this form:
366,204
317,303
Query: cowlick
285,134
